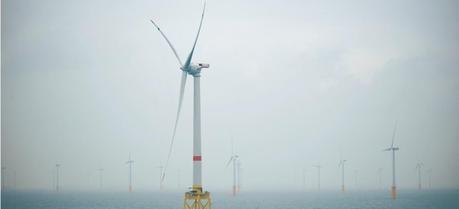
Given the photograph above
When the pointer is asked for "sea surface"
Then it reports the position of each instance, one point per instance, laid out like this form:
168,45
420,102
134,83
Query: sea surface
434,199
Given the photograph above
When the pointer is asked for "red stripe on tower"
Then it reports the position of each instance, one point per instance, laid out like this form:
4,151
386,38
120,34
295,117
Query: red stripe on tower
197,158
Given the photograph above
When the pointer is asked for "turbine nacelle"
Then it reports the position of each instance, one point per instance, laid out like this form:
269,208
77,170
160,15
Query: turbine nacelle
392,149
195,69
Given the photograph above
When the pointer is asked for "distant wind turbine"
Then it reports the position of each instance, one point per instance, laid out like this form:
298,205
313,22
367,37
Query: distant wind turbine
101,170
57,177
355,178
418,168
304,178
234,159
130,172
393,149
341,164
15,181
430,178
318,176
239,171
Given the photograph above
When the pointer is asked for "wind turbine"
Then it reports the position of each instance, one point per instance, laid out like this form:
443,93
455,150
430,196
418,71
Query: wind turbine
195,198
419,167
130,172
15,181
341,164
234,159
101,170
430,177
57,177
304,178
318,176
239,170
393,149
356,172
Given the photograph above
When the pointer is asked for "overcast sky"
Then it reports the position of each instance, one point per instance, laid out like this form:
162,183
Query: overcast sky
295,83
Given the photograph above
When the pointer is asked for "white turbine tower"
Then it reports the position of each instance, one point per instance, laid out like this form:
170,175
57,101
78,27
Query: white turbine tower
393,149
234,159
341,164
418,168
239,171
195,198
304,178
130,172
430,177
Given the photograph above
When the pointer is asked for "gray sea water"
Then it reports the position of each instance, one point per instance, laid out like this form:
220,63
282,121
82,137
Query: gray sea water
436,199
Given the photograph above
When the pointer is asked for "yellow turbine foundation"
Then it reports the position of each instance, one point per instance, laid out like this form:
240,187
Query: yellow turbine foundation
197,199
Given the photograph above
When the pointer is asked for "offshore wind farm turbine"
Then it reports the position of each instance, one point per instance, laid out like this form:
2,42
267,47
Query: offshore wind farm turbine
341,164
101,170
429,172
239,170
304,178
318,176
57,177
418,168
130,172
234,159
196,198
393,149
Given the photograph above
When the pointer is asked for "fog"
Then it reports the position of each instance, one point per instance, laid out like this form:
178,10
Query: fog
293,83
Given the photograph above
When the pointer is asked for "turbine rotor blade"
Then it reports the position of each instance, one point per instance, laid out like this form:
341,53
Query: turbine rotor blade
182,91
229,161
188,60
169,43
393,134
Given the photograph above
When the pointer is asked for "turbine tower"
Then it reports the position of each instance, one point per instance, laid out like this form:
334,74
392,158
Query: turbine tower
57,177
393,149
430,177
196,198
356,172
101,170
318,176
239,170
304,178
419,167
130,172
234,159
341,164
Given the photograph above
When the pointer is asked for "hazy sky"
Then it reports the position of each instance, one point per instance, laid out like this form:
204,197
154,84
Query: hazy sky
295,83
